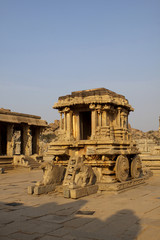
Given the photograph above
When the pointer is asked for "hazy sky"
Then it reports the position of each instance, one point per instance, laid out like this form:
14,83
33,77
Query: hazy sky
49,48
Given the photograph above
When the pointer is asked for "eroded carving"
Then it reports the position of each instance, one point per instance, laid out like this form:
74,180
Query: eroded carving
51,174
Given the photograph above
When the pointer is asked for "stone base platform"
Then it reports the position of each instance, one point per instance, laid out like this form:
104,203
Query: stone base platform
120,186
37,190
80,192
85,191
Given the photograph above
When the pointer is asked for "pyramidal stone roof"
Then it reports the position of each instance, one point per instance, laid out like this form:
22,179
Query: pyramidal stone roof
92,96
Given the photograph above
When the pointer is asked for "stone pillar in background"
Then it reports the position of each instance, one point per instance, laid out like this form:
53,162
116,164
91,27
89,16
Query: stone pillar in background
27,140
10,140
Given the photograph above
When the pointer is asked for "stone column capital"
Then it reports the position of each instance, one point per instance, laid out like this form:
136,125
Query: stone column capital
92,106
66,109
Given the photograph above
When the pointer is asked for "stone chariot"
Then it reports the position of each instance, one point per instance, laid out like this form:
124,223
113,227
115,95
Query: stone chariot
94,132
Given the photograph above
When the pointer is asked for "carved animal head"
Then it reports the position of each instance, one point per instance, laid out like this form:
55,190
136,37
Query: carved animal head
47,166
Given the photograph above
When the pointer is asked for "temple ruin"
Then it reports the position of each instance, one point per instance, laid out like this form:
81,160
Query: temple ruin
94,136
19,135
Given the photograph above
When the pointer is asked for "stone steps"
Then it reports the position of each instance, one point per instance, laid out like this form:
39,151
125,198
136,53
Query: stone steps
32,163
27,161
152,162
6,162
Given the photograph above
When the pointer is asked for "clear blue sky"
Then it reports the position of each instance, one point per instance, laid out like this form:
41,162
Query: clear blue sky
49,48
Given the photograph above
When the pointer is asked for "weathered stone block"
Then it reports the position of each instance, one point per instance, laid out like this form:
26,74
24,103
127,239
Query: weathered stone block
81,192
92,189
44,189
66,192
31,189
78,193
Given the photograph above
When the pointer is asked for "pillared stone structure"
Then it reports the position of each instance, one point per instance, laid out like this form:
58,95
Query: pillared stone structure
94,127
19,134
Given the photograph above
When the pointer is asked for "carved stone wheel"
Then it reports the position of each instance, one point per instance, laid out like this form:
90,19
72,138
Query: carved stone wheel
122,168
136,167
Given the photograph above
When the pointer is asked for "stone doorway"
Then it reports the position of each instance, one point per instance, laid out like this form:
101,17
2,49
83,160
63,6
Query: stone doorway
34,140
3,139
85,125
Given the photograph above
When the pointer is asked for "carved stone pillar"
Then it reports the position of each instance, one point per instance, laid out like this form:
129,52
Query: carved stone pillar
124,119
66,111
65,124
60,120
93,120
99,118
111,126
78,126
74,126
93,123
69,124
37,138
27,141
104,118
107,118
119,117
10,140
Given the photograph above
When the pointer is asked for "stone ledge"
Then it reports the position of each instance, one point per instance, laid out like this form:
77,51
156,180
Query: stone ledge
120,186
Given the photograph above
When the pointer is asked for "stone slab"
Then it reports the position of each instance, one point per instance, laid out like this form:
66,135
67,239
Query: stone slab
120,186
44,189
81,192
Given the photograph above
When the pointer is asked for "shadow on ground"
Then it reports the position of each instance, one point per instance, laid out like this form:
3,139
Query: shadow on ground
52,221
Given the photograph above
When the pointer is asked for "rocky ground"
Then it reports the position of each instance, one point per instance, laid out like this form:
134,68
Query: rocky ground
138,134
